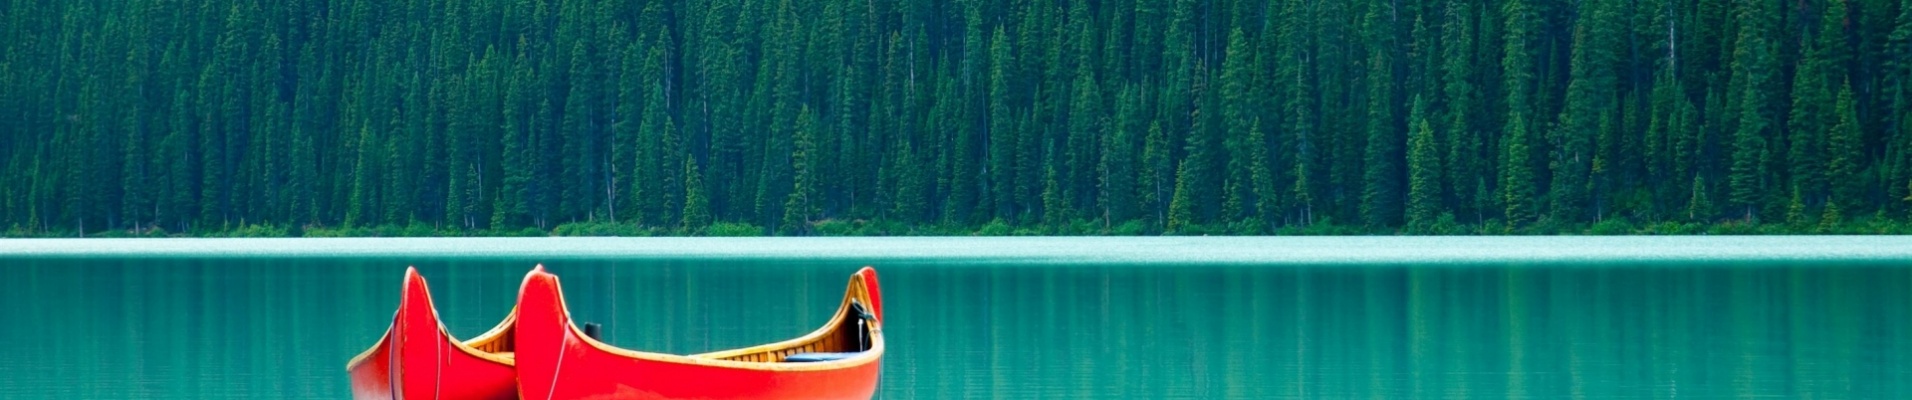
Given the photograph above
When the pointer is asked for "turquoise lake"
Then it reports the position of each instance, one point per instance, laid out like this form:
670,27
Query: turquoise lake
1012,318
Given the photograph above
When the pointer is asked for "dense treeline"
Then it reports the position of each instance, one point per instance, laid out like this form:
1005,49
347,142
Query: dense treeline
1137,115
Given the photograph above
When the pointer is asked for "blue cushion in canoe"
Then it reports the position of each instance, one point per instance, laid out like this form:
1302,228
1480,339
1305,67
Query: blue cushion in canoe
818,357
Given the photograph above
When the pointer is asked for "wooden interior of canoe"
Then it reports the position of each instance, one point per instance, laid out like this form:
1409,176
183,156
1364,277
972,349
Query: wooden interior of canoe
849,335
846,332
499,343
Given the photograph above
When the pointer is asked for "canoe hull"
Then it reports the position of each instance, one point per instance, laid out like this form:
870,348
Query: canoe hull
417,359
557,361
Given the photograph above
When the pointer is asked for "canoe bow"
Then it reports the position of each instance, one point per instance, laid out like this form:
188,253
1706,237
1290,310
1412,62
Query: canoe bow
418,358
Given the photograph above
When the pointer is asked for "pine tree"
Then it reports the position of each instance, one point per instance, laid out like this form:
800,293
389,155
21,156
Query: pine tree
1381,193
1796,209
365,184
1464,145
1181,209
800,205
137,201
1201,167
1295,71
1590,96
658,148
696,206
1002,136
1158,176
1753,68
1238,101
1687,145
1424,170
579,138
1844,152
1261,171
180,150
1088,122
1805,127
1661,135
1517,174
1118,180
513,208
628,140
1898,93
1699,207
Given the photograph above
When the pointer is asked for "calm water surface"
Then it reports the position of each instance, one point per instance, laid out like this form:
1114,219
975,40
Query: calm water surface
1260,318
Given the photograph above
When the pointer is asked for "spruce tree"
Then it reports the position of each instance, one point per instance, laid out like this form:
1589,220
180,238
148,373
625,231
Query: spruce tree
1806,127
1002,134
1699,207
658,148
1381,190
1898,96
1424,170
1517,175
137,200
1753,68
696,207
627,139
1238,103
1844,152
1119,161
365,186
1158,175
1261,171
1464,144
800,205
1590,95
1181,208
512,207
1300,105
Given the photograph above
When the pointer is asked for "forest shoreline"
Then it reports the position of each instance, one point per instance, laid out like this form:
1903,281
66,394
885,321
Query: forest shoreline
924,117
1874,225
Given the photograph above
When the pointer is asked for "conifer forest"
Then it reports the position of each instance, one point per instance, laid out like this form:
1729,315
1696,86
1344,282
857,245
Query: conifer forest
822,117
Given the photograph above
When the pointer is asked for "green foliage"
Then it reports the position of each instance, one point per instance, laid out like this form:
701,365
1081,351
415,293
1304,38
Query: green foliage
1611,226
1424,168
833,227
996,227
834,117
1754,67
602,228
1844,150
1181,214
1134,227
255,231
1699,207
733,229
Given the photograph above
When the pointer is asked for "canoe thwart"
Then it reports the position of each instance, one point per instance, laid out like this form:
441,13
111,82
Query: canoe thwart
819,357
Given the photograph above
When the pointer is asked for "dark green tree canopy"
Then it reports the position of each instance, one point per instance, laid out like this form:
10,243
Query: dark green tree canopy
1060,116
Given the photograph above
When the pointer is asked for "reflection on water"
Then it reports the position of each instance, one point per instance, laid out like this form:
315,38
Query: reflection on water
284,328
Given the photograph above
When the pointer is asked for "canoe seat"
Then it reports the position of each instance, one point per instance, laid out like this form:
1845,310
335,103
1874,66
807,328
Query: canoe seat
818,357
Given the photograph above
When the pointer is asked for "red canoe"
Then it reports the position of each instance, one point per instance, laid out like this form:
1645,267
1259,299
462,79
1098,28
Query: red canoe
419,359
841,360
